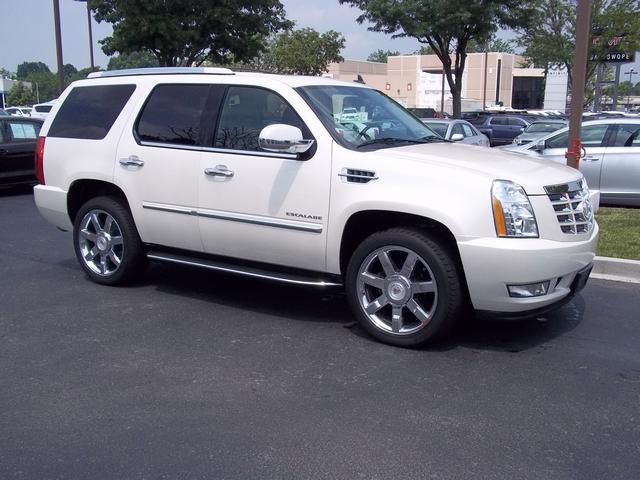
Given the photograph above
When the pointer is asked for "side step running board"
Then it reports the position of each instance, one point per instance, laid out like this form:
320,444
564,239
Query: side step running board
285,277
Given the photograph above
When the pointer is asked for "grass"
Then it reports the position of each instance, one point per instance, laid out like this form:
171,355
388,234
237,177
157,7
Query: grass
619,232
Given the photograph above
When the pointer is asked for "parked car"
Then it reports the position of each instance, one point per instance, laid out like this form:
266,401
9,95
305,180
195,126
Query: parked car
41,110
19,111
611,163
500,128
538,129
18,138
257,175
2,112
457,131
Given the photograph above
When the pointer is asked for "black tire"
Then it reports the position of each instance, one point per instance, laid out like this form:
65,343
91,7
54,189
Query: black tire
122,240
436,263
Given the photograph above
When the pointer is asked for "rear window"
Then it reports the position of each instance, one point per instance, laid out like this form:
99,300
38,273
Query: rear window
439,128
173,114
43,108
90,112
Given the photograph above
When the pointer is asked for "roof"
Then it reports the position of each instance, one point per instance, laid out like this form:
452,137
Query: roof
291,80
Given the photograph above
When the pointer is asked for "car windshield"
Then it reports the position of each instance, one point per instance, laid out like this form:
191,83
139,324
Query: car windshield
544,127
438,127
363,117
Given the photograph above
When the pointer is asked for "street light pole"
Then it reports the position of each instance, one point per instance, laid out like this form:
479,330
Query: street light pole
56,22
93,67
630,73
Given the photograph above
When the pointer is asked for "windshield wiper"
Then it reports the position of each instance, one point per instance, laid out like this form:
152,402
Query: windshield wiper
394,140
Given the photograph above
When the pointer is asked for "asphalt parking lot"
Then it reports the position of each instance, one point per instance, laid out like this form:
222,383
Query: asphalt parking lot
196,375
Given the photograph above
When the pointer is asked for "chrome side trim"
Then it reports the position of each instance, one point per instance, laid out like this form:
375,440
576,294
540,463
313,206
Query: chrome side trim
238,217
288,156
248,272
349,175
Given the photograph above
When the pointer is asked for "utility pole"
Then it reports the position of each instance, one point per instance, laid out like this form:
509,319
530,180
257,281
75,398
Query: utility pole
614,100
93,66
56,21
583,24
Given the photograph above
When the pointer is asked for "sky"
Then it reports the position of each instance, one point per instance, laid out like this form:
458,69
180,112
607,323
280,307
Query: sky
27,32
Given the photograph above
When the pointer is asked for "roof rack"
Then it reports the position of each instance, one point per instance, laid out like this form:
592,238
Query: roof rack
161,71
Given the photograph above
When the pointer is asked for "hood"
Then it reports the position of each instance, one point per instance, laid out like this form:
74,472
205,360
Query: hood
532,173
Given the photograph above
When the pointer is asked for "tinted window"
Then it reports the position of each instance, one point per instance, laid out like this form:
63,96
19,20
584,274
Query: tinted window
47,108
89,112
439,128
246,111
173,114
516,121
21,131
498,121
627,136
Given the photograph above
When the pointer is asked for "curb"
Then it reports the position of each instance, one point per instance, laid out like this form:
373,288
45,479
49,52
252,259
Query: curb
617,269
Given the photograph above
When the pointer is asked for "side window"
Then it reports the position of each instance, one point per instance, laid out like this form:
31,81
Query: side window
246,111
457,128
1,131
627,135
21,131
591,136
173,114
89,112
498,121
468,131
516,121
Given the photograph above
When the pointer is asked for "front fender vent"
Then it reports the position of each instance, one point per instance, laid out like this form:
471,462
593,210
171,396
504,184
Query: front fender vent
352,175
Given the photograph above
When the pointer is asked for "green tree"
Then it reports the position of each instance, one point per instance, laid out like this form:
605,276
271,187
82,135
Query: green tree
494,44
27,68
551,35
188,32
381,55
20,95
45,84
303,52
447,26
424,50
4,73
132,60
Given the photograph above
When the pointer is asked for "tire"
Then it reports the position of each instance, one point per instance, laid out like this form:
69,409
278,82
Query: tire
414,298
107,243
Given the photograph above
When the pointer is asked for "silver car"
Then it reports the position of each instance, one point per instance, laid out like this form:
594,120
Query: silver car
611,161
457,131
538,129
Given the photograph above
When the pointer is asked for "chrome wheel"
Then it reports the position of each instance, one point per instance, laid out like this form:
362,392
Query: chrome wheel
100,242
397,290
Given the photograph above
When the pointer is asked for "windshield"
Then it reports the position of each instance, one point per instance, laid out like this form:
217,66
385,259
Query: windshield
544,127
357,116
438,127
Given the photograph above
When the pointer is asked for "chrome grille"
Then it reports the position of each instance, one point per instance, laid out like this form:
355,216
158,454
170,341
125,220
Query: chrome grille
572,204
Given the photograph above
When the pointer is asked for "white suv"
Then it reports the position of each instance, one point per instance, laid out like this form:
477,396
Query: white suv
259,175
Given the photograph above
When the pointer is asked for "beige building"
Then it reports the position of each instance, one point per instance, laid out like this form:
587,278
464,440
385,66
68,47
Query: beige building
418,81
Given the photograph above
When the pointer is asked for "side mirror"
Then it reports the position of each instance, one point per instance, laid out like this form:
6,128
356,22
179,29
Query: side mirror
281,138
539,146
456,137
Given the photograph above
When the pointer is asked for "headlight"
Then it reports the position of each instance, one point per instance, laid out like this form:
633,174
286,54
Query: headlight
512,211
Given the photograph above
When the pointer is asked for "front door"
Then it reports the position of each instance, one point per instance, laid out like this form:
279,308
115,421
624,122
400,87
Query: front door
17,146
258,205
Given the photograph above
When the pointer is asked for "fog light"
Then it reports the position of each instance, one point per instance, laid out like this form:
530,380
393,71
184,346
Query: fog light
530,290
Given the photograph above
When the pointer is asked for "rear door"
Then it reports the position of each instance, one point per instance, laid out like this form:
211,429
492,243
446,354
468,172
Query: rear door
499,130
516,126
18,148
158,163
620,178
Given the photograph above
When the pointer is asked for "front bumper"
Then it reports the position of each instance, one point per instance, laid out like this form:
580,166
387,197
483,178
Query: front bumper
490,264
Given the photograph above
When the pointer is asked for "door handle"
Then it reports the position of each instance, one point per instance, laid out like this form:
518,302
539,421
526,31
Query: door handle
219,171
131,161
590,158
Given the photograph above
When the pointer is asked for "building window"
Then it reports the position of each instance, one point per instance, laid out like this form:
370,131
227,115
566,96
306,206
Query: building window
387,86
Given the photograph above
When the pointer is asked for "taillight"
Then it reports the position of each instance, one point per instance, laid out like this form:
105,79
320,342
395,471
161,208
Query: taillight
40,160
